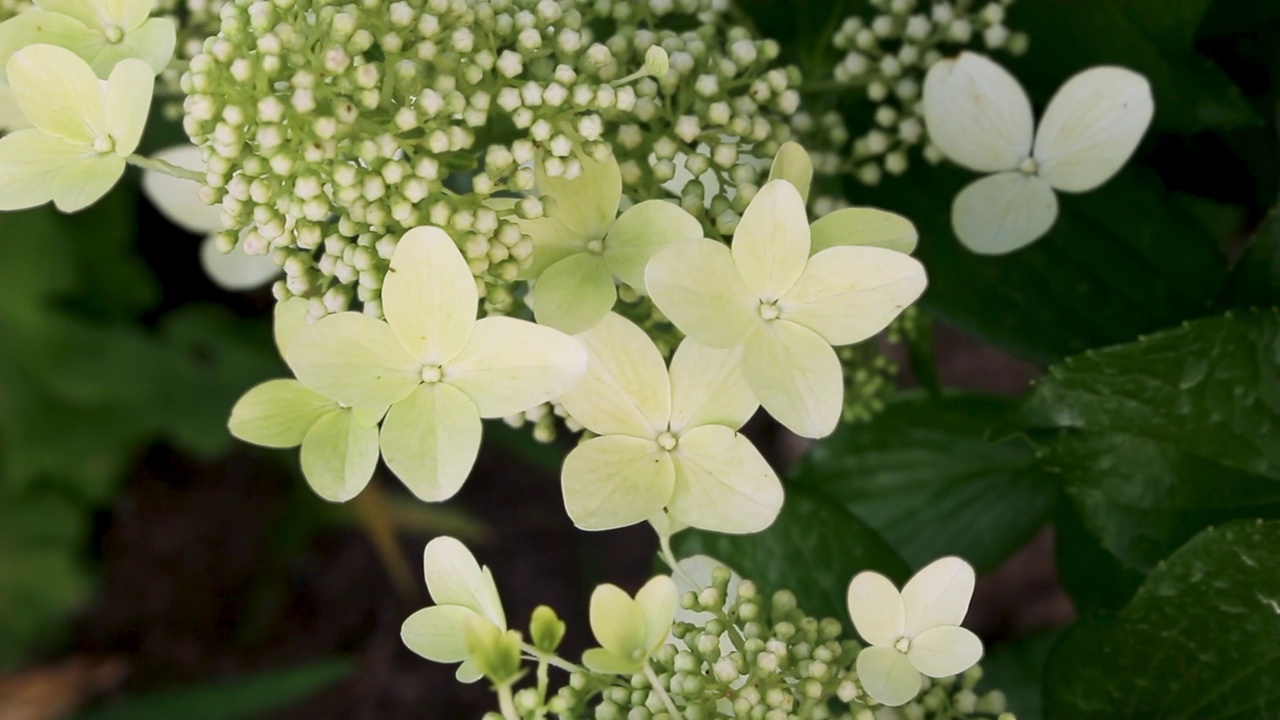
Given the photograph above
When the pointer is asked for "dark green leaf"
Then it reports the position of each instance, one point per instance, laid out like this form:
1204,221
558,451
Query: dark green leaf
1197,641
1255,280
1095,579
1017,670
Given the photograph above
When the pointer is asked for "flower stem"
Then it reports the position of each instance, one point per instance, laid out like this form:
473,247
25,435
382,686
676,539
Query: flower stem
166,168
669,557
550,659
662,692
507,703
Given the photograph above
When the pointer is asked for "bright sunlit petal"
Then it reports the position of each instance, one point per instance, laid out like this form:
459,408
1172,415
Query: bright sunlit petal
354,359
30,163
977,113
848,294
771,245
429,297
438,633
697,286
617,620
626,390
1001,213
795,166
511,365
574,294
642,232
455,578
876,608
587,204
430,440
944,651
339,455
288,319
888,676
59,93
553,241
44,28
796,376
938,595
614,481
708,387
84,182
863,226
723,484
658,600
128,101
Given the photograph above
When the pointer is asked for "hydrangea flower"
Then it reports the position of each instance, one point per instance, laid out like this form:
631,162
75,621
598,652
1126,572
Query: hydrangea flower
463,593
83,130
578,251
439,369
629,630
980,117
913,632
668,438
178,199
102,32
786,301
11,117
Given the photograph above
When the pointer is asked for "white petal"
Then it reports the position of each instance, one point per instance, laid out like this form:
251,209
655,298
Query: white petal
795,166
430,441
709,387
353,359
128,101
863,226
938,595
575,293
339,455
723,484
1091,127
888,676
11,117
178,199
944,651
438,633
288,319
658,600
58,93
511,365
153,42
796,376
977,113
455,578
642,232
126,14
848,294
278,413
236,270
875,606
698,287
30,163
771,245
429,297
1001,213
552,242
626,390
614,481
587,204
86,181
617,620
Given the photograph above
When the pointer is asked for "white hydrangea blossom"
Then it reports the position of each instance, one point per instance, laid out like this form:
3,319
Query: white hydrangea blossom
102,32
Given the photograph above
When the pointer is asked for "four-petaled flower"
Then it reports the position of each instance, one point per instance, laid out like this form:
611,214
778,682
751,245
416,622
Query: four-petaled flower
979,116
102,32
584,244
630,630
784,307
438,368
915,631
668,439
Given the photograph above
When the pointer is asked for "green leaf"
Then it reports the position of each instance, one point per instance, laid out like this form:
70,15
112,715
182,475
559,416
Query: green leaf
925,473
246,697
1197,641
1255,279
1017,669
833,544
1095,579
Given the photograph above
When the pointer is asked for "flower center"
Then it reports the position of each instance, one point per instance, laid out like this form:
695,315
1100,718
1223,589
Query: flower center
113,34
432,374
1029,166
667,441
595,246
104,145
903,644
769,310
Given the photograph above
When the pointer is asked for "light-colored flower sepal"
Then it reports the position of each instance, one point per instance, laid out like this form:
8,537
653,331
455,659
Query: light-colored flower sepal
630,629
494,653
546,629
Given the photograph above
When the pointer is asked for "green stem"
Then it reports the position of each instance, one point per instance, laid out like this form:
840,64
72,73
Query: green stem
669,557
165,168
661,692
553,660
507,703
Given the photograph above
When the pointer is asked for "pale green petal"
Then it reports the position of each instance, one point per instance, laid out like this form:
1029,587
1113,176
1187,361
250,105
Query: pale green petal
771,245
512,365
614,481
153,43
599,660
11,117
708,387
85,182
30,163
977,114
697,286
587,204
468,672
796,376
1001,213
87,12
430,441
658,599
125,14
354,359
278,413
455,578
944,651
888,676
552,242
339,455
43,28
723,484
793,164
617,621
288,319
438,633
236,270
863,226
128,100
848,294
574,294
875,606
178,199
626,390
641,232
938,595
58,93
429,297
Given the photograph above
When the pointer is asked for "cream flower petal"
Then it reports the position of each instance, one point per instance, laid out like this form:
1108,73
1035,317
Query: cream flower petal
511,365
429,297
977,114
796,376
552,242
85,182
468,672
617,620
455,578
614,481
708,387
236,270
178,199
723,484
944,651
430,440
288,319
278,413
795,166
698,287
658,600
574,294
87,12
771,245
1001,213
642,232
353,359
876,608
30,163
848,294
938,595
863,226
888,676
606,662
43,28
1092,126
340,454
626,390
128,101
587,204
125,14
438,633
59,93
153,42
11,116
